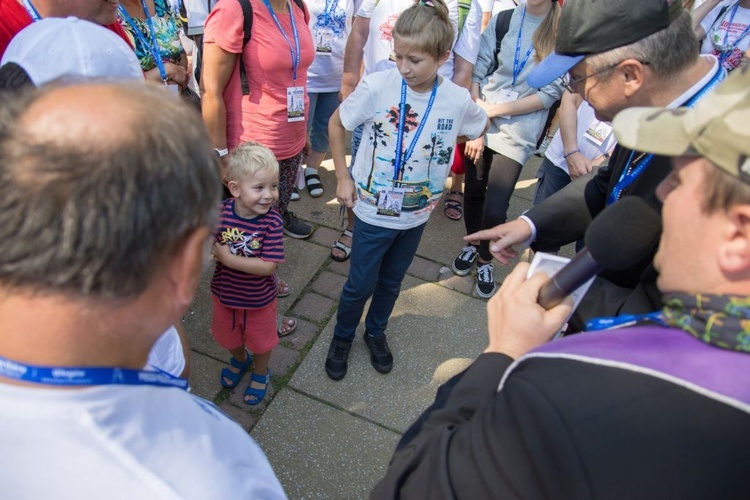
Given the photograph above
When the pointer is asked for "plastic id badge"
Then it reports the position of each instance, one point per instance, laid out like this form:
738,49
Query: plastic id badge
323,41
598,132
295,104
507,95
390,203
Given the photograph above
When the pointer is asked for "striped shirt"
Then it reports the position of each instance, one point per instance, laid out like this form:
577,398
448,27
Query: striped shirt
260,237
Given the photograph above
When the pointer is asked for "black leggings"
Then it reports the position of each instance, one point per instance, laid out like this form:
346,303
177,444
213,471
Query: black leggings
489,186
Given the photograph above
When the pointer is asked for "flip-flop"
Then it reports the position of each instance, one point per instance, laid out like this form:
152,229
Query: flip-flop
288,325
314,186
282,289
453,204
257,394
346,249
234,378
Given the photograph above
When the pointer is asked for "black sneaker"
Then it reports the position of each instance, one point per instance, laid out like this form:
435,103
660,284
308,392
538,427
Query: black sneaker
295,228
380,354
465,261
486,285
338,353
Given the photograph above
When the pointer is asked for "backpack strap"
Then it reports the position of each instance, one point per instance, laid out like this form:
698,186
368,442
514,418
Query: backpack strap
464,6
247,29
501,29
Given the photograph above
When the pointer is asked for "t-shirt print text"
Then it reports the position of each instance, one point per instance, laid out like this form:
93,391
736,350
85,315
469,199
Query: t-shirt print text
445,124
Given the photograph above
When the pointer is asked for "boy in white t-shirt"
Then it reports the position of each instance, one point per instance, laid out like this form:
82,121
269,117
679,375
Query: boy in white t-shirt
412,119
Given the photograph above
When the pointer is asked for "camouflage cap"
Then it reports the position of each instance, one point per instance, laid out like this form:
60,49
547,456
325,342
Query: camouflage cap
717,128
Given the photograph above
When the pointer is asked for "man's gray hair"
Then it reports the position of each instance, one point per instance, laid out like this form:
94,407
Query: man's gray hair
669,51
100,220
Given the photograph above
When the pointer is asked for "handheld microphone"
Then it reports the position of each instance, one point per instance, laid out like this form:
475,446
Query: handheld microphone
622,234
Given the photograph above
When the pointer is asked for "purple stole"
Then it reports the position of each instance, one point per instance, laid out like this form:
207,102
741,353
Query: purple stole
666,353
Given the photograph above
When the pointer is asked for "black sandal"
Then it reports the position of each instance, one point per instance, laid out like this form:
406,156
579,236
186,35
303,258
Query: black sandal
314,186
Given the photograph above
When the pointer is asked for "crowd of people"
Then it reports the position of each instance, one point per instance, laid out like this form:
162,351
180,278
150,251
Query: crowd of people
117,183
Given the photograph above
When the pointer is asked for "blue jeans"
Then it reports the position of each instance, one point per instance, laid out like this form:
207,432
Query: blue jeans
322,106
551,179
378,264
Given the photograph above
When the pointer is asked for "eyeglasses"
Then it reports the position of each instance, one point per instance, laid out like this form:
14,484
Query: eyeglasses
569,84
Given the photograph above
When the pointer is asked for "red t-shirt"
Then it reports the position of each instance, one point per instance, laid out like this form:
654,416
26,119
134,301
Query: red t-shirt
262,115
14,18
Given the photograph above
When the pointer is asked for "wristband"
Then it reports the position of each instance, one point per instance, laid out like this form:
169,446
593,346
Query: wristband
221,152
565,155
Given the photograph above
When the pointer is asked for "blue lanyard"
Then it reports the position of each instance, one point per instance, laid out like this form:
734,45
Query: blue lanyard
728,50
622,321
294,51
632,172
72,376
33,13
402,157
517,68
154,45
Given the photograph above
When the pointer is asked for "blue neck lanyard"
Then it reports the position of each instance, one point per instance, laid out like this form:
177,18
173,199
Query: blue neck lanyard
76,376
633,171
153,47
402,157
33,13
728,50
622,321
294,51
518,67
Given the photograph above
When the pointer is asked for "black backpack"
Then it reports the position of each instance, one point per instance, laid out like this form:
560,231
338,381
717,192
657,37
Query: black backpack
247,28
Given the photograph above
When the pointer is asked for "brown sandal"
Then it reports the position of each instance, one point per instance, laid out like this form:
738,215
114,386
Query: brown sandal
453,205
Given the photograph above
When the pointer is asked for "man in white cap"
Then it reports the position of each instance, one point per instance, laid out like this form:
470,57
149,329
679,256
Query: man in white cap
100,255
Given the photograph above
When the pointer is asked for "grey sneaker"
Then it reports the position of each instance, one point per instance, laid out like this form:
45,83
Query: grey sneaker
295,228
463,264
486,285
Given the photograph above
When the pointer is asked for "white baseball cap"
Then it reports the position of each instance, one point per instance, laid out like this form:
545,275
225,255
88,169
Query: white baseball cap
70,47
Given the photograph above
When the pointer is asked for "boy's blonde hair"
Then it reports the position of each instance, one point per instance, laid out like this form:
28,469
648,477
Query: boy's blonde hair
248,158
427,25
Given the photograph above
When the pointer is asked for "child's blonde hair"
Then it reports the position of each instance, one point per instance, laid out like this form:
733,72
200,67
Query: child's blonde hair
428,27
248,158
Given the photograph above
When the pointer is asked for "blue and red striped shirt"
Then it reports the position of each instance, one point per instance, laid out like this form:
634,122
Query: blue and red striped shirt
260,237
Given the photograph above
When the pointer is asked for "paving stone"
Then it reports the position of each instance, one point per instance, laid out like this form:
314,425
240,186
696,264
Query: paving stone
240,415
463,284
325,236
341,268
301,336
314,307
424,269
329,284
205,375
282,359
320,451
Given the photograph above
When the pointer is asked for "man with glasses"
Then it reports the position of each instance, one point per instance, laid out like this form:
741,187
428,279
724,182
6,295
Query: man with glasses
616,54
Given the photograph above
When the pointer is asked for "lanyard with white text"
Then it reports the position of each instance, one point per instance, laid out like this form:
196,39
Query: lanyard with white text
622,321
33,13
633,171
294,51
72,376
517,68
152,47
402,157
727,50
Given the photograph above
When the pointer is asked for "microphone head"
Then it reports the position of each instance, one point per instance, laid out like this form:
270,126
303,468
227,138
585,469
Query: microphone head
623,233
